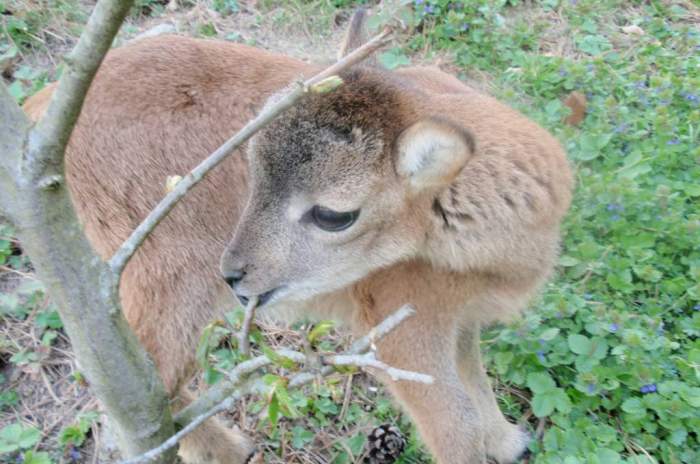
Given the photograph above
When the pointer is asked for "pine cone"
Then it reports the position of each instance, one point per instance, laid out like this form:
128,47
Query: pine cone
385,444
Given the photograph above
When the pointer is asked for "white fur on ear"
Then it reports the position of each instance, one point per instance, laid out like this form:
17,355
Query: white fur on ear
432,152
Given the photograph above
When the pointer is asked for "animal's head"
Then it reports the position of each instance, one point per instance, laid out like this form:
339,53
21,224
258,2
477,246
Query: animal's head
341,185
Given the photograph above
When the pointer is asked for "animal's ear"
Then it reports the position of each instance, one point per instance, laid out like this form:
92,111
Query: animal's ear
432,152
356,35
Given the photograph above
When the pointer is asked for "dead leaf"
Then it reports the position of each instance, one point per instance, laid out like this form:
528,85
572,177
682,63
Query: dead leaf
633,30
577,103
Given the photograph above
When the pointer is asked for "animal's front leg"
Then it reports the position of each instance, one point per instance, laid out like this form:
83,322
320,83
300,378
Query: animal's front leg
505,442
444,412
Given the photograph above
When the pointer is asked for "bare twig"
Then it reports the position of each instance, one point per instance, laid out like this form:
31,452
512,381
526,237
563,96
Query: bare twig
243,336
370,360
175,439
321,82
239,385
236,377
346,399
47,383
223,389
360,346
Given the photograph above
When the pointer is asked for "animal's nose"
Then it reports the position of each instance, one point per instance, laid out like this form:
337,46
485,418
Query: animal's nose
234,277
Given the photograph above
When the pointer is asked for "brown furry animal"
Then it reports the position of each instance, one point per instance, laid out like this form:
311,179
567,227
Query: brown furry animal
399,187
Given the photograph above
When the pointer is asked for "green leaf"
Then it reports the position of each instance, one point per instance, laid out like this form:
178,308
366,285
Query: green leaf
17,436
17,91
579,344
9,54
286,404
41,457
321,329
549,334
273,410
277,358
607,456
48,337
561,401
301,437
633,406
692,190
503,360
326,406
553,109
593,44
356,443
591,145
393,58
202,353
207,341
8,398
568,261
75,434
540,382
543,404
691,396
634,171
49,319
621,281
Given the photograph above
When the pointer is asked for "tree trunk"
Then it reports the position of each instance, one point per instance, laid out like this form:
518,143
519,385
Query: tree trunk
34,196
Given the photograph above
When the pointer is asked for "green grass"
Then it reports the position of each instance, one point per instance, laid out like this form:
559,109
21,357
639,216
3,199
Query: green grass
610,355
606,367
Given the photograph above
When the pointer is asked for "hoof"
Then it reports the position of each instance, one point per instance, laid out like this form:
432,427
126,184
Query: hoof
509,447
256,457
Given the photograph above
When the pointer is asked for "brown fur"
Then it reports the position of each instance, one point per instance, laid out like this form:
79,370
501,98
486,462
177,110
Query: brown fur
463,255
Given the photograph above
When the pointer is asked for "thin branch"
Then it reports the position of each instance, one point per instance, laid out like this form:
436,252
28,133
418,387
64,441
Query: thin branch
243,336
360,346
379,331
370,360
48,139
237,376
322,82
224,389
175,439
237,387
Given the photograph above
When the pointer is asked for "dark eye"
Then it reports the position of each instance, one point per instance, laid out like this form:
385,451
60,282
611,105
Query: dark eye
332,221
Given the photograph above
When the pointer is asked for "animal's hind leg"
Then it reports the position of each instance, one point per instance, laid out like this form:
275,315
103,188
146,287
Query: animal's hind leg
213,442
505,442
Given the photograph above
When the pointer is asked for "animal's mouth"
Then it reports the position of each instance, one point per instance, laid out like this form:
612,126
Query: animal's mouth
262,298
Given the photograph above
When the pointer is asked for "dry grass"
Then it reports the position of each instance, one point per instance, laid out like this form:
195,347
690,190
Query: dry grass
50,397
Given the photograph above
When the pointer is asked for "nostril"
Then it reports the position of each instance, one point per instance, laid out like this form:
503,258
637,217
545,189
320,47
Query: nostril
233,277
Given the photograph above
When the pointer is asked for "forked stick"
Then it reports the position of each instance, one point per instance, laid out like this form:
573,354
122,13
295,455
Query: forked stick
236,386
244,334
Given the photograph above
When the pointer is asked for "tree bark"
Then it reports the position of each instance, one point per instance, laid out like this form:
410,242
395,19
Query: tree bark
34,196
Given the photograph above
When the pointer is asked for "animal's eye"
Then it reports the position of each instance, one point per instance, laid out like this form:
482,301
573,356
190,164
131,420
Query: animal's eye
333,221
